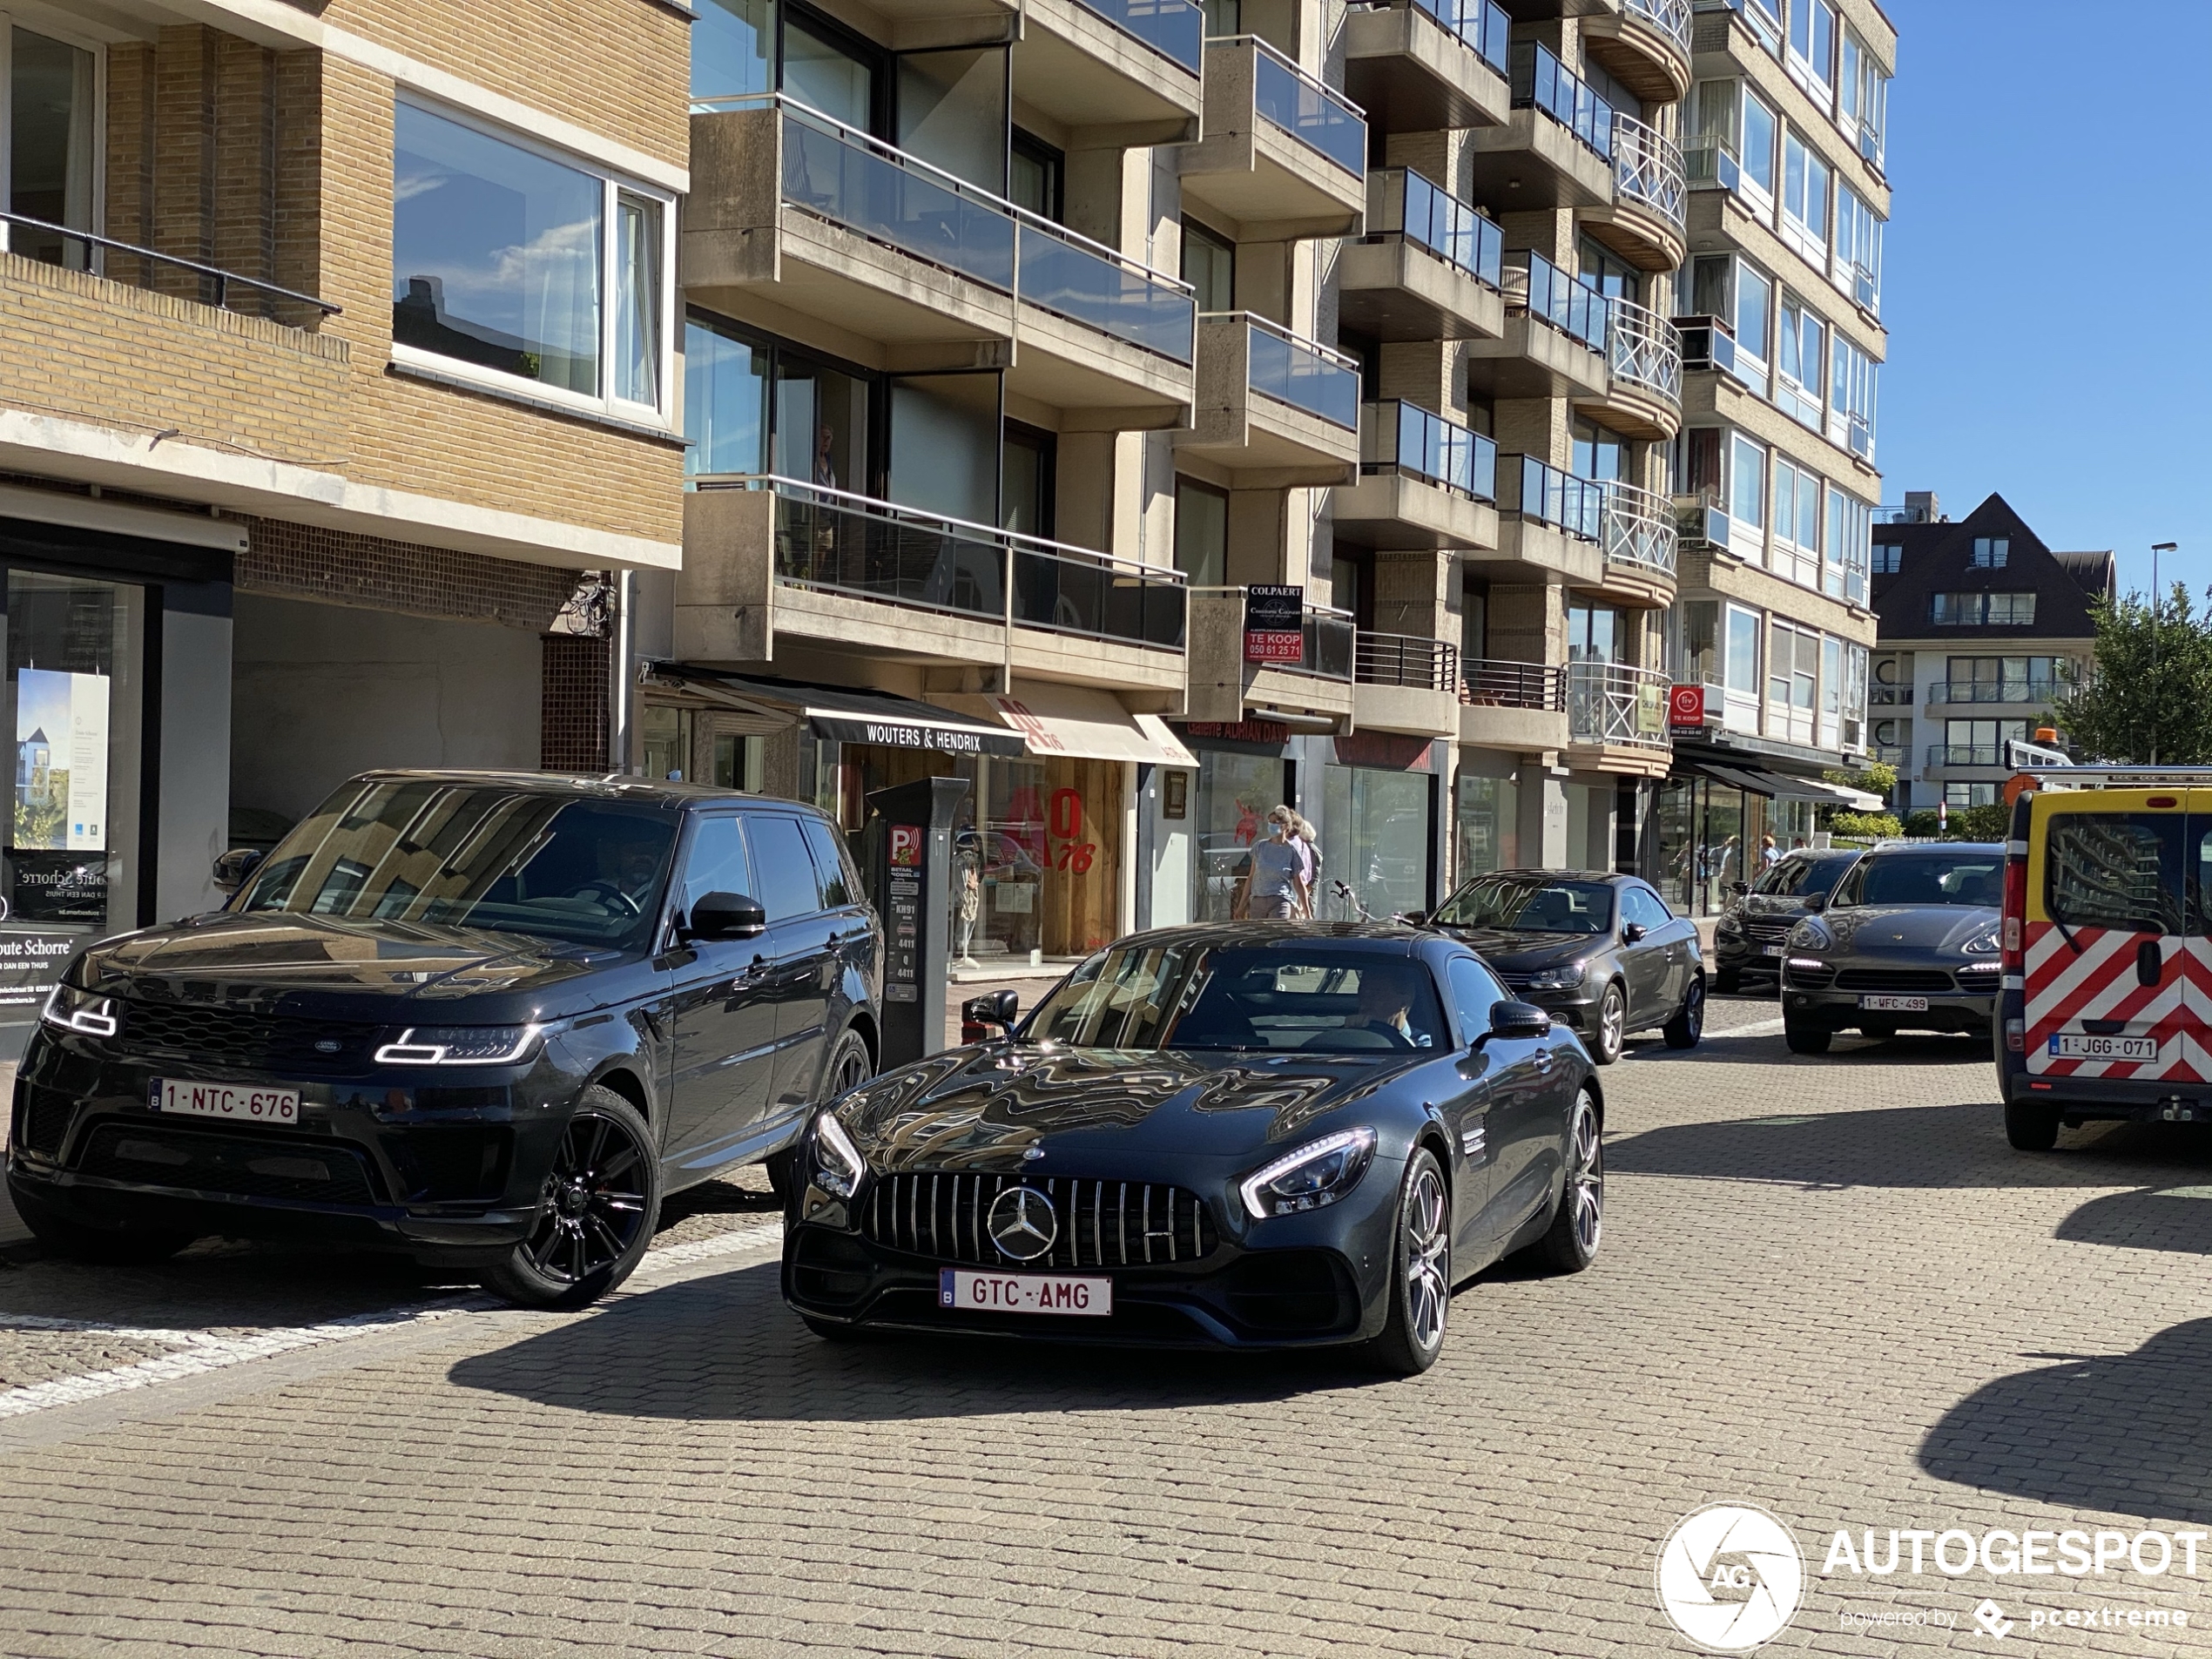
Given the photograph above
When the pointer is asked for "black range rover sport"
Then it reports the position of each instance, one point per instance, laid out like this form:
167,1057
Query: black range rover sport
488,1018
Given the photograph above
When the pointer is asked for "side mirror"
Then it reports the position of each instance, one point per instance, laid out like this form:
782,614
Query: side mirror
726,915
235,866
1516,1020
993,1007
1739,888
1633,932
1815,903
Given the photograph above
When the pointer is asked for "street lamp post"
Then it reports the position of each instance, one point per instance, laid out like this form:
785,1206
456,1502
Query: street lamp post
2156,548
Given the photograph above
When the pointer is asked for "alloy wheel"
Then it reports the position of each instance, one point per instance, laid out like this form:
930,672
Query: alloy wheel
1586,1178
1613,1017
852,1069
1694,1011
589,1210
1426,1245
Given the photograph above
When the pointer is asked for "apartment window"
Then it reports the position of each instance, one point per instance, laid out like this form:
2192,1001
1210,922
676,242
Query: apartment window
1223,17
1695,651
1595,634
1797,524
827,69
1804,200
733,48
1201,533
1981,609
1851,398
1032,459
824,424
1801,362
1812,48
1858,249
1605,270
2004,679
1850,525
1854,731
1831,692
1888,558
1741,658
1598,453
1862,98
725,399
1991,552
1347,591
1034,175
1746,482
1766,19
527,268
1971,741
1210,266
1792,681
1760,127
52,146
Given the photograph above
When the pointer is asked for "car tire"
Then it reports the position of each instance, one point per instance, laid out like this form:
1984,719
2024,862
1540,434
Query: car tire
850,1065
1570,1244
783,1170
1688,1024
1728,981
2031,1126
1420,1272
595,1210
1804,1037
59,1236
1609,1033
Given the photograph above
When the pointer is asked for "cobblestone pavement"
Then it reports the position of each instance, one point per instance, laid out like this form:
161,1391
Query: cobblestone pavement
1828,1288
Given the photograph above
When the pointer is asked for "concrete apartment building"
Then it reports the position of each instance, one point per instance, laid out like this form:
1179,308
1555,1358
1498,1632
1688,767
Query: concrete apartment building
1983,629
339,351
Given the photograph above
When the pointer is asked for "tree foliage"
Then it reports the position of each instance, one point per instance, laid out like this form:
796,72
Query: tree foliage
2128,708
1875,777
1872,826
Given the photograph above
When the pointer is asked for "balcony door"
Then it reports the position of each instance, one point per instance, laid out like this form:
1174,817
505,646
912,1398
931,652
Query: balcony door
48,105
835,71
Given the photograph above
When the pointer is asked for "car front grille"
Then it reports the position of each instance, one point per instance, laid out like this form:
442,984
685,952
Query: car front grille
243,1166
1101,1223
1895,980
42,1119
219,1037
1767,930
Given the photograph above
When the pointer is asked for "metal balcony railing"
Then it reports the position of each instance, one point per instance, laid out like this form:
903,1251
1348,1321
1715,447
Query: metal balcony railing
1544,494
881,192
2039,691
1965,754
1302,373
1612,703
1891,696
1482,24
1534,285
1317,115
1648,168
1707,343
1647,350
1395,436
1402,202
1175,28
1638,528
1540,81
37,238
1490,683
1407,659
1708,158
1670,17
834,540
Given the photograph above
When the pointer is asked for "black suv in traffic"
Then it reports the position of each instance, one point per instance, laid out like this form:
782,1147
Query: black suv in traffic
488,1018
1747,940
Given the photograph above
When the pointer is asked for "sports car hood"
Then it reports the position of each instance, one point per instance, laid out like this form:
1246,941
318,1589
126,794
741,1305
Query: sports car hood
1901,930
278,959
982,1107
1512,950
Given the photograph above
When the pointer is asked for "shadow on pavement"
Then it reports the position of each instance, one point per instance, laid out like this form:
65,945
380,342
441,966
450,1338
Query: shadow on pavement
2126,1432
2171,1218
726,1347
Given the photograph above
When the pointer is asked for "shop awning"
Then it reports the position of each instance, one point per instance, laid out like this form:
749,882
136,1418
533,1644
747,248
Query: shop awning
1777,786
845,716
1082,724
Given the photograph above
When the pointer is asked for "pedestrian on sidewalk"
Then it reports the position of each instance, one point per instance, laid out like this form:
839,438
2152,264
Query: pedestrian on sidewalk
1306,841
1274,887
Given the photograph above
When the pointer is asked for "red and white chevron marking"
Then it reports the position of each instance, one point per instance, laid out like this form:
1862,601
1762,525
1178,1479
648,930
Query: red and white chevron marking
2094,978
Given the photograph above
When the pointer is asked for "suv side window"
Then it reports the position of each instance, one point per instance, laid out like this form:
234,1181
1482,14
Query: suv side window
833,865
717,862
1475,991
783,867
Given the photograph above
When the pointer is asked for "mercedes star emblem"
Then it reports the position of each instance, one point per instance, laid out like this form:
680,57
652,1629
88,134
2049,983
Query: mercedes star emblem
1021,1223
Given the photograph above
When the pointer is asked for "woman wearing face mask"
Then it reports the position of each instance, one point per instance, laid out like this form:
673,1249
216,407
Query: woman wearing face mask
1275,888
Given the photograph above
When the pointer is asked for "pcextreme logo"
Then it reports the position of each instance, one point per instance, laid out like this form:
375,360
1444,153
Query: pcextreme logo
1731,1577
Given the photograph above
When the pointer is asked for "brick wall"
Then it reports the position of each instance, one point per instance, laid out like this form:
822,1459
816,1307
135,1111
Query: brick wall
573,724
306,562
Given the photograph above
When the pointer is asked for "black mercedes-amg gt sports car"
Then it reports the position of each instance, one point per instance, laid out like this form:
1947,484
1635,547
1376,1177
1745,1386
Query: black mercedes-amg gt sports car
1255,1135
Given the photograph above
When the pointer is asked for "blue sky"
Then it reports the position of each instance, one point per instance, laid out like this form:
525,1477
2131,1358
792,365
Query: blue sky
2047,281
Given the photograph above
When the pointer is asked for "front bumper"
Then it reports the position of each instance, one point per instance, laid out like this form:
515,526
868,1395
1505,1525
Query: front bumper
414,1159
1820,1000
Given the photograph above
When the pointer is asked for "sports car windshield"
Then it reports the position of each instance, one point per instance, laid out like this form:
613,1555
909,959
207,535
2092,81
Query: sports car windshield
1315,1000
1530,904
1927,878
475,856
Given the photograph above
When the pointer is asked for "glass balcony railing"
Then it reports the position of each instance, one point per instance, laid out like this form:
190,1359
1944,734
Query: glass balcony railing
1965,754
1302,373
1488,683
1395,436
1544,494
1706,159
1175,28
1402,202
1324,120
1616,704
901,201
1331,643
2042,691
1540,81
1648,168
1549,293
1707,343
839,542
1638,529
1408,660
1482,24
1646,350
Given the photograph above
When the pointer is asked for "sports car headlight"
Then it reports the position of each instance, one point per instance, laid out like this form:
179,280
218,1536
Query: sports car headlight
839,1166
1318,1173
461,1045
1985,945
1558,979
69,1010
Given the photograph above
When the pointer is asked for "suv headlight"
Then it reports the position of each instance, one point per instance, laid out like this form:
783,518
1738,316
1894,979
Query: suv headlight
1983,945
1809,935
1318,1173
69,1010
839,1167
1728,923
461,1045
1558,979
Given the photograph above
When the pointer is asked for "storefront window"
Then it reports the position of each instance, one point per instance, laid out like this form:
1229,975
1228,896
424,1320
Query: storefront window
1489,825
1375,833
667,735
1229,813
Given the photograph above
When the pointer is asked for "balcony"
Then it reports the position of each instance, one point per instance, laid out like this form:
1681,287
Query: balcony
1642,397
1557,341
1224,686
774,559
1942,755
1644,45
1428,269
1637,535
1616,718
800,212
1273,405
1407,684
1555,149
1644,223
2038,693
1425,482
1118,72
1430,65
1892,696
1284,156
1519,707
1549,525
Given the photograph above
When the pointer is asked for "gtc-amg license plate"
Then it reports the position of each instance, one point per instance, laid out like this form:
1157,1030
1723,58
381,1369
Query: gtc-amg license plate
224,1100
2075,1045
1895,1004
1023,1293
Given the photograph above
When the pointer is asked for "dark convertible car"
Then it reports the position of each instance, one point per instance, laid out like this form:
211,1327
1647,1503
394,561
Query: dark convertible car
1255,1135
485,1018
